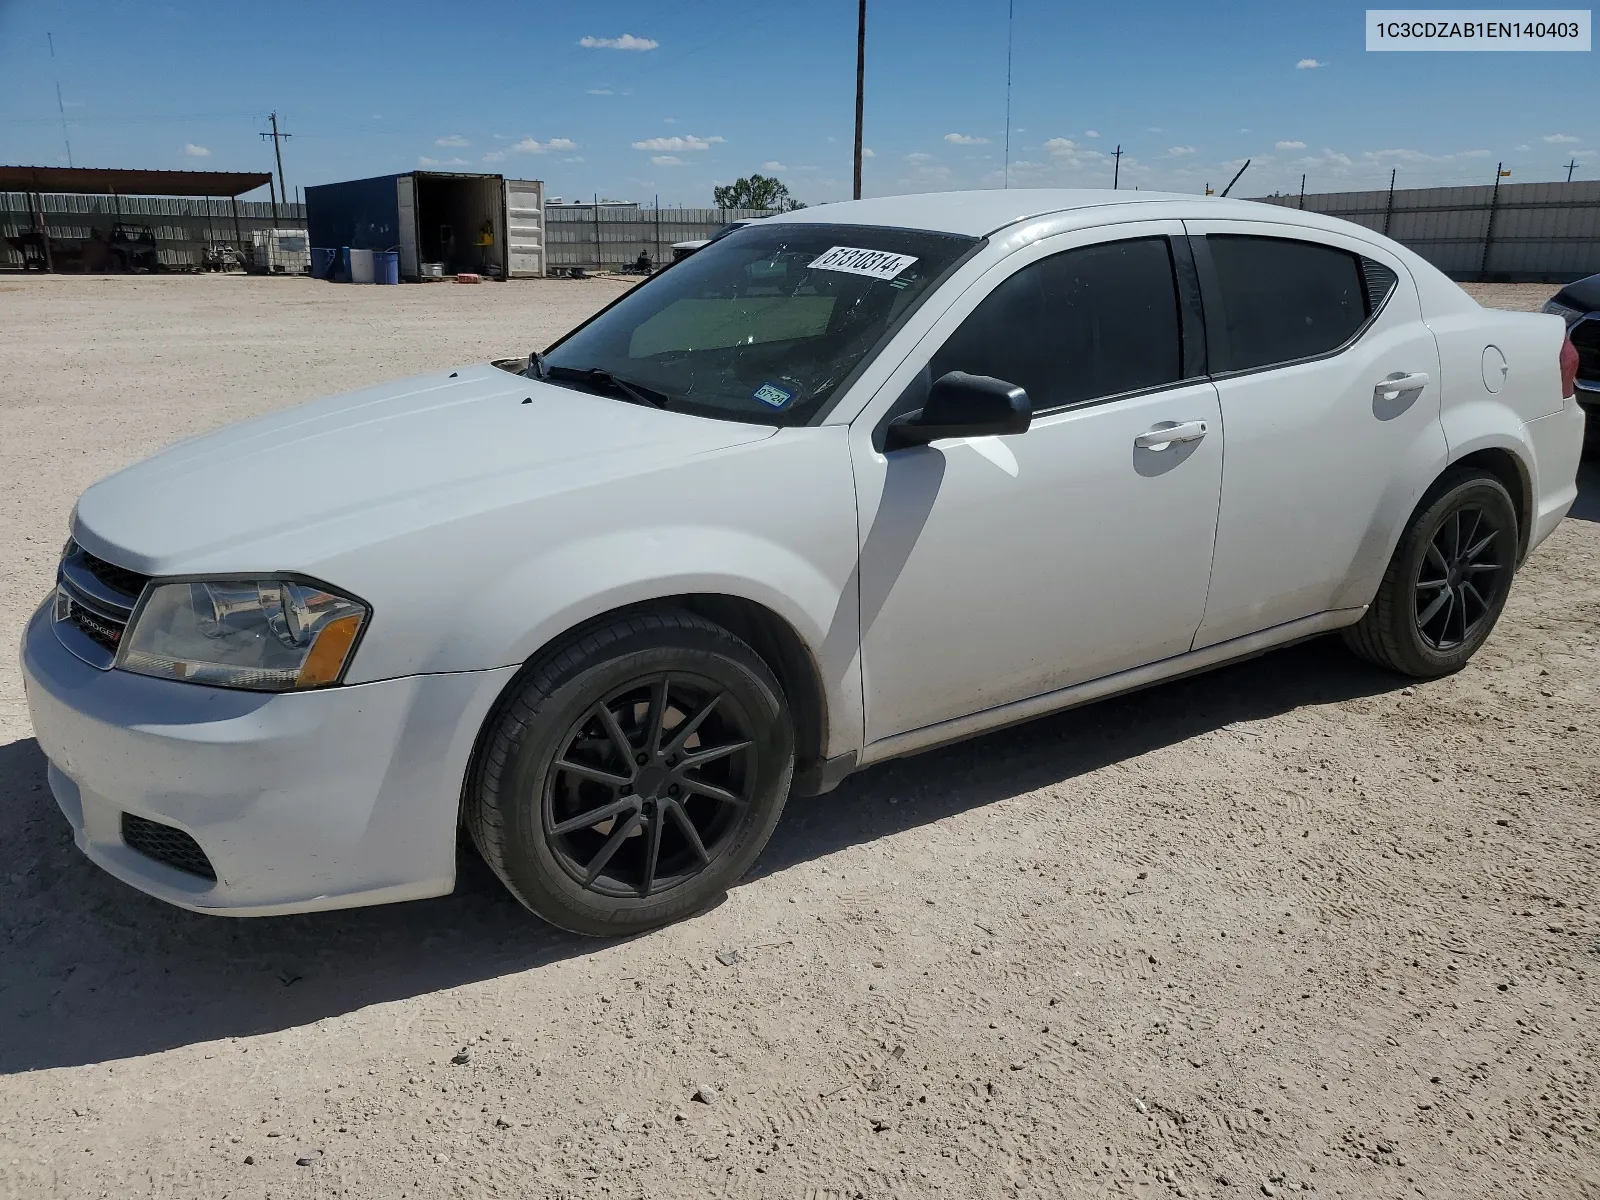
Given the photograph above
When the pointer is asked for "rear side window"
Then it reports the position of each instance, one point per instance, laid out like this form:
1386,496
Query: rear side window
1286,300
1079,325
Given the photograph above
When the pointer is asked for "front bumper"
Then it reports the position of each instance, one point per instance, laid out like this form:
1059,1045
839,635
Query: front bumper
301,801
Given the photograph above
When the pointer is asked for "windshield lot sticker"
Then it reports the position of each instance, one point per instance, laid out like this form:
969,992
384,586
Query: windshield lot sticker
771,393
875,264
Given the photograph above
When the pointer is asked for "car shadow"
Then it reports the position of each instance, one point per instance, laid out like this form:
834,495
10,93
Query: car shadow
1587,505
94,970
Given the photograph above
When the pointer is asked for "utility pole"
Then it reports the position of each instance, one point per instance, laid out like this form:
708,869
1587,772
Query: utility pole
1302,191
1571,166
1388,209
277,150
1011,11
1116,167
60,107
861,79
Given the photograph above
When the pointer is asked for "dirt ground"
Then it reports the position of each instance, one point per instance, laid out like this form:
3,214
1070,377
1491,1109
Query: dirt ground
1290,927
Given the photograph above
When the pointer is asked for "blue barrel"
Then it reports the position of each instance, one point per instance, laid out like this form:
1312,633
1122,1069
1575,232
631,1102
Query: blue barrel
386,266
322,260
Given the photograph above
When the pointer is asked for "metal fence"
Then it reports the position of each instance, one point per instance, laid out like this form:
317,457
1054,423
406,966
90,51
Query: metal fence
609,236
182,228
1521,232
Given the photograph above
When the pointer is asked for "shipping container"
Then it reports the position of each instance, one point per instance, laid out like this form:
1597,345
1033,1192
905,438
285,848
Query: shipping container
484,224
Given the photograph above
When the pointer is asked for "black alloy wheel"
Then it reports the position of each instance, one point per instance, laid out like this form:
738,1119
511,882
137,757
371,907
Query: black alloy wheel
1457,578
631,773
1447,581
646,791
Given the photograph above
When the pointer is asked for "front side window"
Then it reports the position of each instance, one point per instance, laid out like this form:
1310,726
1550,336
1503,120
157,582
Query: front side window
1078,326
1286,300
763,325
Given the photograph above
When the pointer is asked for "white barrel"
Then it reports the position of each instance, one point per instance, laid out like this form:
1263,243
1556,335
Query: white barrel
360,266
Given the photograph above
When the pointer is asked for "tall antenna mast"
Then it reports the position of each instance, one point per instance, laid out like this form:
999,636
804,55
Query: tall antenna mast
60,107
1011,12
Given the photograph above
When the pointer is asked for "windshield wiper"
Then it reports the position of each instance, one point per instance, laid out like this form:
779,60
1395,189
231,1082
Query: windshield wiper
598,377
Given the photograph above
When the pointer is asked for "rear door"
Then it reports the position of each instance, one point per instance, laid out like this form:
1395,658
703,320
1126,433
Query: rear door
1329,386
524,228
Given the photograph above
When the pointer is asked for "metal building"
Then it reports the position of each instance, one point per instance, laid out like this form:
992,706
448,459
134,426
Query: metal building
441,222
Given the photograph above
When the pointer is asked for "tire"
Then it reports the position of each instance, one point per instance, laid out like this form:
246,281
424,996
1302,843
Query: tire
704,801
1434,609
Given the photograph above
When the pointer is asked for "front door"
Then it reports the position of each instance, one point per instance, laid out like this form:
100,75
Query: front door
998,568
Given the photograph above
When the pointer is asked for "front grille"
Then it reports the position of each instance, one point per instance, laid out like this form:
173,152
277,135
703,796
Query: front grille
169,846
101,631
120,579
94,599
1586,340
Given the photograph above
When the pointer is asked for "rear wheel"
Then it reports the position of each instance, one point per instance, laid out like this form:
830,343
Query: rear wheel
633,774
1447,582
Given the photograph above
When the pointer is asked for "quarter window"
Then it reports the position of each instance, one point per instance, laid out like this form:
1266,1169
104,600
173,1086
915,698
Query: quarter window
1286,300
1077,326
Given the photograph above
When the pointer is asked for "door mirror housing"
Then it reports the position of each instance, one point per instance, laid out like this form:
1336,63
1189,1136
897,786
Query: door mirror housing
962,405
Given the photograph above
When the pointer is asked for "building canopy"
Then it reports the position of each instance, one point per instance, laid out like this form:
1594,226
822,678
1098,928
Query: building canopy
97,181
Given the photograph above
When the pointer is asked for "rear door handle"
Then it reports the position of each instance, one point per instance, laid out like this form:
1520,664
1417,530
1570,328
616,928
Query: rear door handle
1162,436
1390,388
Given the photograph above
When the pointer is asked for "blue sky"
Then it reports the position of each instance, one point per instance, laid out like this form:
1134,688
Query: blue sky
669,97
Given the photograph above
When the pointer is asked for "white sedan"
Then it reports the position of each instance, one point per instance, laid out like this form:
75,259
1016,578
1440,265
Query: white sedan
848,483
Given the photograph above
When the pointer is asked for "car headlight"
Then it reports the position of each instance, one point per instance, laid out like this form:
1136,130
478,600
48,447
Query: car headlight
1568,314
264,635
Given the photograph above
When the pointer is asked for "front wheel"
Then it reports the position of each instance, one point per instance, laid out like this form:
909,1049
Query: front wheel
1447,582
633,774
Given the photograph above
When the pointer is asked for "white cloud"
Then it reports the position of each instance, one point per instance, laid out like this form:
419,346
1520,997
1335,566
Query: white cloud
495,156
1585,154
918,156
1559,139
1288,145
454,139
1061,145
1524,146
689,142
599,92
1180,151
666,160
1244,131
425,161
626,42
866,152
773,165
962,139
534,146
1308,64
1091,133
194,151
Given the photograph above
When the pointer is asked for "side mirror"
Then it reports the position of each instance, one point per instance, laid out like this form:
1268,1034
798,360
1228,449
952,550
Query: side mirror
962,405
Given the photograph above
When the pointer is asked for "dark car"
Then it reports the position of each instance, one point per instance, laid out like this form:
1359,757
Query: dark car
1578,304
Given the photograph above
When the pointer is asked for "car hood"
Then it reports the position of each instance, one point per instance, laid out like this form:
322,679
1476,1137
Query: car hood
291,488
1584,294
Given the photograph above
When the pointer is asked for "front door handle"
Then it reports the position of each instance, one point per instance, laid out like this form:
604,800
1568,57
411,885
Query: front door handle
1390,387
1162,436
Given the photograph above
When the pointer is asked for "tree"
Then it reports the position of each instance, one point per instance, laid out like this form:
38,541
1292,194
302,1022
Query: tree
756,191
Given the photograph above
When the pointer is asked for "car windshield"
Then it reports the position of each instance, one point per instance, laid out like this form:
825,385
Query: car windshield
763,325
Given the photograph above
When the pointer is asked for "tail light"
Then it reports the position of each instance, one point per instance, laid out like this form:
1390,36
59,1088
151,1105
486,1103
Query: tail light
1569,368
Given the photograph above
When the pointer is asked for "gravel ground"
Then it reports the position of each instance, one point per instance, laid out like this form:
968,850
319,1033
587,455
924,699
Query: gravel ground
1289,927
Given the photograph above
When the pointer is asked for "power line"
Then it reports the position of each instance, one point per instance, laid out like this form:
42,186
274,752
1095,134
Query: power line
1011,12
277,144
60,107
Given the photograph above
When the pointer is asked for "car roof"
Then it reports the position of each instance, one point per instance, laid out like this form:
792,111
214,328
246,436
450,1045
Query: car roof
979,213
